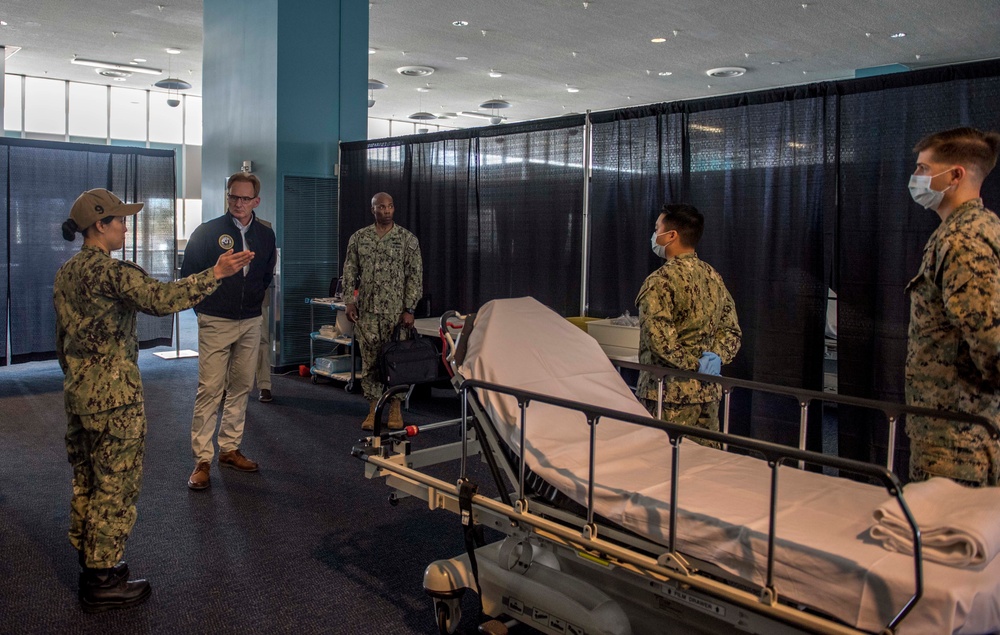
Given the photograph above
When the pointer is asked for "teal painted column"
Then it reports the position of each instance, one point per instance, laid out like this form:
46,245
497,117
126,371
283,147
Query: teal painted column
284,82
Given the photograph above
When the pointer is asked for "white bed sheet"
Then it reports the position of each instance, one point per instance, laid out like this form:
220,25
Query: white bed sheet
824,557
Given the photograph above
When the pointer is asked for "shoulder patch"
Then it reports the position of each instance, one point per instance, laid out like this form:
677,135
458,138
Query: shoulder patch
134,266
226,242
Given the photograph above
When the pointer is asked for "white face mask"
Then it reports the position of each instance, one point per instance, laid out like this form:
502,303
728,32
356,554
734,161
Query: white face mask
659,250
923,195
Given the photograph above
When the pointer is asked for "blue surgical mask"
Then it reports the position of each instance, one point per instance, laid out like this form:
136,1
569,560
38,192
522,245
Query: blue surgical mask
659,250
923,195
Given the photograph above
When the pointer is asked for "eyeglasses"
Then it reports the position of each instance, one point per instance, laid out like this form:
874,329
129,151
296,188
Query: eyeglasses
241,199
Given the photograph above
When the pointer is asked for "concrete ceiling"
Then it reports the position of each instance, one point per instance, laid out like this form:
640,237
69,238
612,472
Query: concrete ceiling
541,48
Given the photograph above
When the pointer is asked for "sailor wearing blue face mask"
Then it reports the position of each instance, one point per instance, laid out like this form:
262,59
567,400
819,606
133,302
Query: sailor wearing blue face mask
953,350
687,320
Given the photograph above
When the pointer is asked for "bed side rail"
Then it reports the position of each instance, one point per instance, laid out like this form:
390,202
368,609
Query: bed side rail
805,397
774,454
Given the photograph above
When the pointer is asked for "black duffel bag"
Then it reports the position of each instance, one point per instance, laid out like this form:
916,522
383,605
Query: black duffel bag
410,361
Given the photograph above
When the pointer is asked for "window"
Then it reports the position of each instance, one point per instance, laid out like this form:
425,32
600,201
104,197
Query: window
166,123
12,103
88,110
128,114
192,121
44,106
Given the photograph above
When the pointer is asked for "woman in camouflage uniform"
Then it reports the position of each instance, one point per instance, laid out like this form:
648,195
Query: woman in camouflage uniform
96,299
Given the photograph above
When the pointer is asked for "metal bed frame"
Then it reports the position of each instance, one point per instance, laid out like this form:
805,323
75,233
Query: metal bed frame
527,519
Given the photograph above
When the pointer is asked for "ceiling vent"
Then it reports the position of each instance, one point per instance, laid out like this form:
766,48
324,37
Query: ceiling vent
415,71
107,72
726,71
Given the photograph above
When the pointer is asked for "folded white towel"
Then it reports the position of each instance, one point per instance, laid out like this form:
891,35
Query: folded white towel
959,526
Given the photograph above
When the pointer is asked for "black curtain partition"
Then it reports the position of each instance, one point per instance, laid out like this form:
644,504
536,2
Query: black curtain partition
882,232
803,190
4,250
40,180
497,212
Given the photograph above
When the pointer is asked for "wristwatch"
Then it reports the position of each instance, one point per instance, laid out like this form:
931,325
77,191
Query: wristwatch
410,311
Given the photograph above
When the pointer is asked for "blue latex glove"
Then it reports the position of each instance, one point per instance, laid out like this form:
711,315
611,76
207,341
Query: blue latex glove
710,364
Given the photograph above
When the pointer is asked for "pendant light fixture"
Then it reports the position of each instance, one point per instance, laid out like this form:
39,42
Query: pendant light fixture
172,84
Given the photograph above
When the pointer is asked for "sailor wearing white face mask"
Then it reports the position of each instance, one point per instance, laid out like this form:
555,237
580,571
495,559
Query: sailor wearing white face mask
953,352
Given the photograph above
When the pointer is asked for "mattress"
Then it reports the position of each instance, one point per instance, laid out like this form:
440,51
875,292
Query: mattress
824,557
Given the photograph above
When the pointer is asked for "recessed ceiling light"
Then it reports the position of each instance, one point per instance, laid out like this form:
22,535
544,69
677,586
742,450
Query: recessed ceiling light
3,23
461,58
898,35
572,89
460,23
173,51
119,79
372,51
726,71
494,74
665,73
133,63
138,59
775,63
423,89
658,40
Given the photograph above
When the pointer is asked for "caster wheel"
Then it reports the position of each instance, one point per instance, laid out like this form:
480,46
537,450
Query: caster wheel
314,380
349,386
443,618
393,499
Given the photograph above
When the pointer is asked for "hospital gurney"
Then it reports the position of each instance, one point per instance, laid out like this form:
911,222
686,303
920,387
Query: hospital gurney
741,550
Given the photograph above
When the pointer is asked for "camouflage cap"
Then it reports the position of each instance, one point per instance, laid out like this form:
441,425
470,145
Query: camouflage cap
93,205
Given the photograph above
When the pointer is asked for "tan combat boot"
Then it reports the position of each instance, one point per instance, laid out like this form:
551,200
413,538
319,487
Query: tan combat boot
396,415
369,422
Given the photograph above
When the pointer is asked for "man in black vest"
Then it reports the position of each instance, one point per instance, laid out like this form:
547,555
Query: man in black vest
229,325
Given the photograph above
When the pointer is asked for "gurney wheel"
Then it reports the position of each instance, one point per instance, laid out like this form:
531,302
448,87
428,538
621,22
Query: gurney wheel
446,621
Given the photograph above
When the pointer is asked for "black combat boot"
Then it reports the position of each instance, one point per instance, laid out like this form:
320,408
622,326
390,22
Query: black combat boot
120,569
104,590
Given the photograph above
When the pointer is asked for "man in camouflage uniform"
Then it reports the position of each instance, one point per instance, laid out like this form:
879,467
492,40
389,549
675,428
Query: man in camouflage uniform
687,320
96,298
384,266
953,352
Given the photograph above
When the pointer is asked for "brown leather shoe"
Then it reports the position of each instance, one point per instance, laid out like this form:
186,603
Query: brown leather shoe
369,422
396,415
199,479
236,460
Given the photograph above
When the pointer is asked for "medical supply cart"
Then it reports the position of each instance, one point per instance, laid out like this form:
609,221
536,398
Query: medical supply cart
339,367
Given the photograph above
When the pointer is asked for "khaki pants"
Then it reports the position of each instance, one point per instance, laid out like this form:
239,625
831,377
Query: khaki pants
264,352
227,359
106,451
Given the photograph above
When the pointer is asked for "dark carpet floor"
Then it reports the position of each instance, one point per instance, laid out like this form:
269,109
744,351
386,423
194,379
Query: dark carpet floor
306,545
